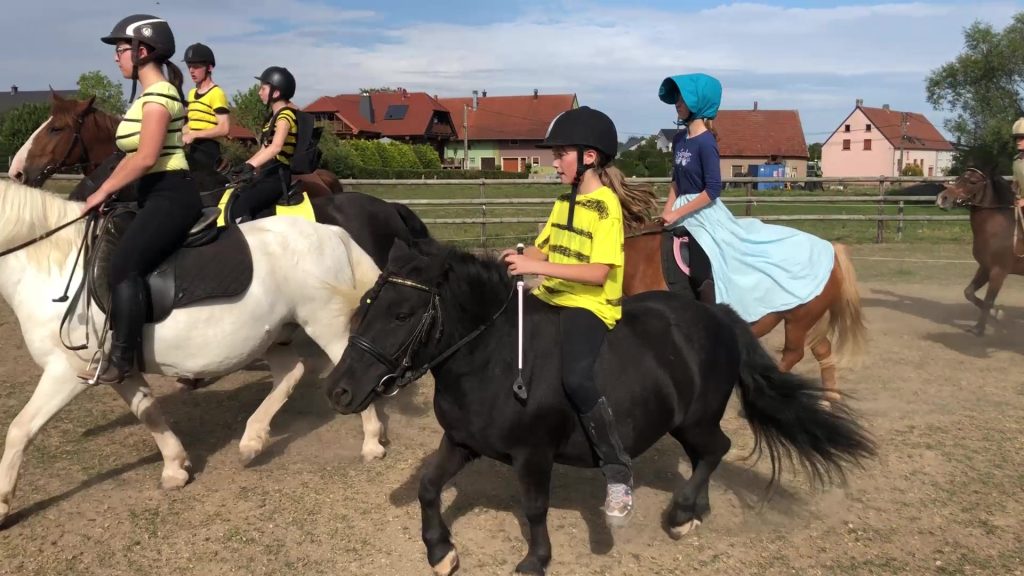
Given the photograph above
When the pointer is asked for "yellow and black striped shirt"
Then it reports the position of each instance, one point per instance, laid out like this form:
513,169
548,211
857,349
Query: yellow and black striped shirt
596,237
204,108
172,156
288,150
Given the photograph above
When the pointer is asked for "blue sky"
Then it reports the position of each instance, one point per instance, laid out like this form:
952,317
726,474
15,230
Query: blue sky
809,56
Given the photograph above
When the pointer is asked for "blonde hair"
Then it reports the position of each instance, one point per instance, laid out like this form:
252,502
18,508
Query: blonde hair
638,200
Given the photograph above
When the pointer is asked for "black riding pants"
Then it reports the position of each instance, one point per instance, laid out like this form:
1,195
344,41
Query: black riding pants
203,155
262,194
583,334
700,264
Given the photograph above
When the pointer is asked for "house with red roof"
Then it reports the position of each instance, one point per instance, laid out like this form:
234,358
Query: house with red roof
502,132
756,136
881,141
412,117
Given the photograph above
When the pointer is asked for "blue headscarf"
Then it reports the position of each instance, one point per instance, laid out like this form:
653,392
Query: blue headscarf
701,93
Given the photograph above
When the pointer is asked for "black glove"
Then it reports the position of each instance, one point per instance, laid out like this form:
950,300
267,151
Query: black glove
243,174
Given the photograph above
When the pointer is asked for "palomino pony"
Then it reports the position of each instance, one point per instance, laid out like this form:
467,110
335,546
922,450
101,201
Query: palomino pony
998,234
303,275
79,135
668,367
806,325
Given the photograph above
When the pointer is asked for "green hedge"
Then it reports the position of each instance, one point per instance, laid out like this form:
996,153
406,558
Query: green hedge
363,172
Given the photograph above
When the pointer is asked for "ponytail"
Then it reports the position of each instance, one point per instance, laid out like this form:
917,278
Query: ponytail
175,78
638,200
710,124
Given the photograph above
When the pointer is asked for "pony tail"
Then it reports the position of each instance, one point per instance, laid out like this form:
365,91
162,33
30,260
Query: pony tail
710,124
175,77
638,200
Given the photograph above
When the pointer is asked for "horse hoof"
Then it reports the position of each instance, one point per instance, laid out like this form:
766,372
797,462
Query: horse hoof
174,479
249,449
448,565
375,452
531,566
677,532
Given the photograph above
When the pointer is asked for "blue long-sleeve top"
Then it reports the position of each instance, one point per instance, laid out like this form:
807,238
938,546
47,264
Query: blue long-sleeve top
695,164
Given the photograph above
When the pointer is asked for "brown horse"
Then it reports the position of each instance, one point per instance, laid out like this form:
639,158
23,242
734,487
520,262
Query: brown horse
996,226
81,136
834,314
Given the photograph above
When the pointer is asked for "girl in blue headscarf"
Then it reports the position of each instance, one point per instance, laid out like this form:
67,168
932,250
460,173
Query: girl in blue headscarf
754,267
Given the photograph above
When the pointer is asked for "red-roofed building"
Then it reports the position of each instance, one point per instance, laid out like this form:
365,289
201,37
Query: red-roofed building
870,141
412,117
747,137
241,133
503,130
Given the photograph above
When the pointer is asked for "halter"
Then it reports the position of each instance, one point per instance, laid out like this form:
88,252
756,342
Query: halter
52,169
1017,223
401,360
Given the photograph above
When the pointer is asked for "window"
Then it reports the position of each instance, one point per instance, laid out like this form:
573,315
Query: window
846,144
846,128
738,171
535,160
513,142
867,144
867,128
396,111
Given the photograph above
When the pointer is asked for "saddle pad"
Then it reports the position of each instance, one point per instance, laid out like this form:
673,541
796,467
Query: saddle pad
220,269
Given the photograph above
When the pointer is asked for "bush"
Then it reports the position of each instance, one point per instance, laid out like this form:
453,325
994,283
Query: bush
235,152
427,156
912,170
366,173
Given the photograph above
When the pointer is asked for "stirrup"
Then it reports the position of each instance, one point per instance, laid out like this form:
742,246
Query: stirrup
97,358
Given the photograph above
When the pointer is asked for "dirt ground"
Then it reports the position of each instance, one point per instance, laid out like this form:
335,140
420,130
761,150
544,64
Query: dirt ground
946,495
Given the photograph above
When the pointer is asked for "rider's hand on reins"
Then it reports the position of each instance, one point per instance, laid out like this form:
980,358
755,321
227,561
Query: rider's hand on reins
94,200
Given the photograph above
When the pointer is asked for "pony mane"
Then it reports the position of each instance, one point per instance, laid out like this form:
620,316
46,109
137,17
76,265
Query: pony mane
27,212
472,288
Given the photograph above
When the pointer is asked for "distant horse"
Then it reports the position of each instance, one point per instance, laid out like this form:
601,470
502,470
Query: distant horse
998,236
668,367
835,313
284,273
79,135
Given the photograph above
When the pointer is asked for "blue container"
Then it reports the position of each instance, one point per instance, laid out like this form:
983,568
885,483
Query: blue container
767,171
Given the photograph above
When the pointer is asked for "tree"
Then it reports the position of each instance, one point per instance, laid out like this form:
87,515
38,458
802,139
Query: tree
983,88
814,151
109,94
645,161
17,124
248,110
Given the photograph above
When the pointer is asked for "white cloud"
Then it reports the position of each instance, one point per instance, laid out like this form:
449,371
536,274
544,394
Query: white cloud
816,60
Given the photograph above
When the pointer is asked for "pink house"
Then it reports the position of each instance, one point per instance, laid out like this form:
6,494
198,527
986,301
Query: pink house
880,141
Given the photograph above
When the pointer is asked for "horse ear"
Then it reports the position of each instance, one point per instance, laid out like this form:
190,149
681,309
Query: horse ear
83,106
54,96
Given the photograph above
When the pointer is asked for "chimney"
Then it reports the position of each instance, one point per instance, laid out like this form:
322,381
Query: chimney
366,107
755,105
476,102
860,102
14,89
885,107
484,95
534,93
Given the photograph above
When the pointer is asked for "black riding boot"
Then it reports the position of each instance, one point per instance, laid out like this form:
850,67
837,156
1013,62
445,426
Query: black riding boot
599,426
127,315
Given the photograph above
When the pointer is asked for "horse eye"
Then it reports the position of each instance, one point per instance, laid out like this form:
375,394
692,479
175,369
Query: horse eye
55,129
403,317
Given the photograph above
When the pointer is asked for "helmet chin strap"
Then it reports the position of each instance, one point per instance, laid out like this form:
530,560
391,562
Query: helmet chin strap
581,169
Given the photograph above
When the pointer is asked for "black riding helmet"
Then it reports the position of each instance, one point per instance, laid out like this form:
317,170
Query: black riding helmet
583,128
199,54
281,79
146,29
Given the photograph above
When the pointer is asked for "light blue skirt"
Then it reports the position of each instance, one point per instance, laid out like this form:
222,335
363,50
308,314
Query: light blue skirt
758,268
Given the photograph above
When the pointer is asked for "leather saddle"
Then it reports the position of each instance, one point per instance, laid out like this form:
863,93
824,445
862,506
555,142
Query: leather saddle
212,263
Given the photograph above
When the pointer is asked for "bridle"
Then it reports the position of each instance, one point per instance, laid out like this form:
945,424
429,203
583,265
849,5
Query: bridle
400,361
52,168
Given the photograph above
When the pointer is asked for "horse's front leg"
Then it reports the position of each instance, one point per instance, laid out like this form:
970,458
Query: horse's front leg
56,388
442,467
979,280
995,284
286,368
534,472
136,393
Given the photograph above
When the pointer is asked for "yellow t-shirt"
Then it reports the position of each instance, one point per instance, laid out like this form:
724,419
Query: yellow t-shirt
204,108
172,156
1018,173
596,237
288,150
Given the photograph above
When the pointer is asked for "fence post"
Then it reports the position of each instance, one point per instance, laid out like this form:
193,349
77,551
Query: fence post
899,222
749,189
879,223
483,217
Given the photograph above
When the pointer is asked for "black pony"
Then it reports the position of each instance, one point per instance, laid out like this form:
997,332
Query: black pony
669,366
